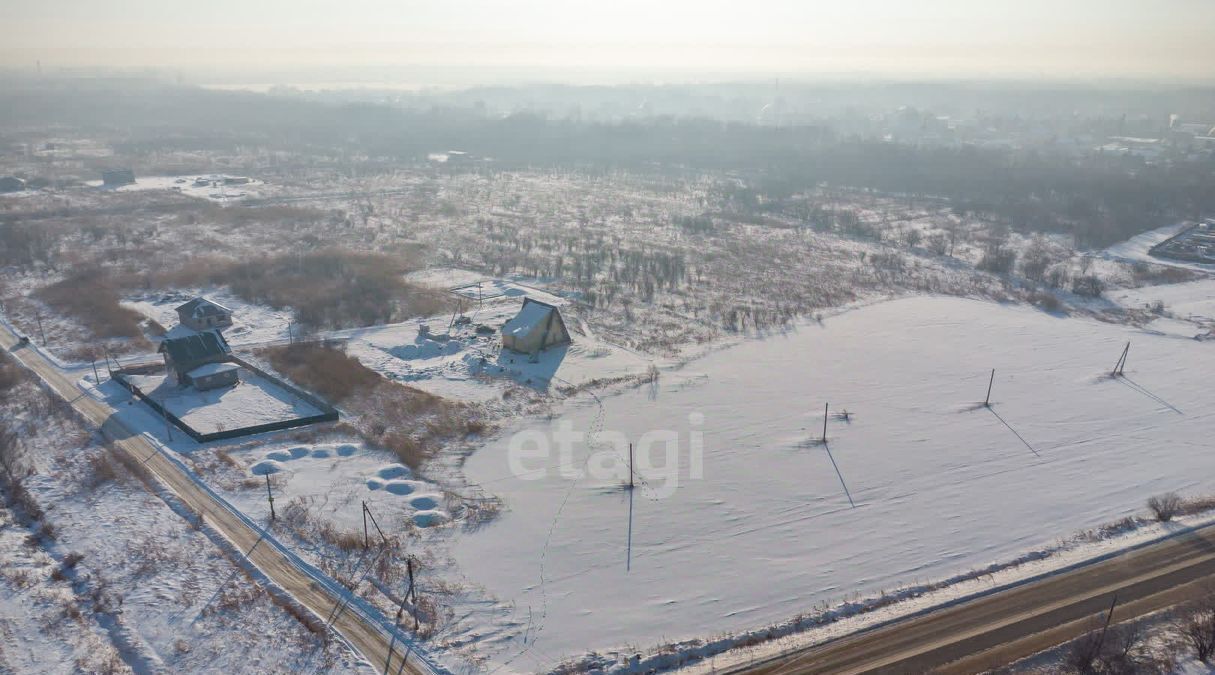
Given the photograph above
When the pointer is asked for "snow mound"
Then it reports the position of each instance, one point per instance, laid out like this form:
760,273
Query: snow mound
427,349
400,487
393,471
266,467
424,502
430,518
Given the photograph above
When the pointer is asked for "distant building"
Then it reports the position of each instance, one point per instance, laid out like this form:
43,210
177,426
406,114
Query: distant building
116,177
203,314
11,184
185,354
536,327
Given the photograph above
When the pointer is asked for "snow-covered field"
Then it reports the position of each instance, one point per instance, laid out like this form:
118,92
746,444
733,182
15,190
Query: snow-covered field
920,483
1189,308
252,401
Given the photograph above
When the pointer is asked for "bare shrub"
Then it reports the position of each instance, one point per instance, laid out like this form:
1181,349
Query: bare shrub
328,372
1088,285
1165,506
1197,627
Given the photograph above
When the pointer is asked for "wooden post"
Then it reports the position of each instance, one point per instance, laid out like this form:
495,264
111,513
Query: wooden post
1109,615
825,407
96,377
412,592
164,412
630,466
987,401
270,496
38,316
366,540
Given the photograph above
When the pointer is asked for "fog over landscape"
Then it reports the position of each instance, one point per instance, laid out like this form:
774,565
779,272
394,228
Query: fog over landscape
584,337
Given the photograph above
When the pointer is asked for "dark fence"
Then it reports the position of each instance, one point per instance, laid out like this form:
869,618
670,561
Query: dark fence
328,412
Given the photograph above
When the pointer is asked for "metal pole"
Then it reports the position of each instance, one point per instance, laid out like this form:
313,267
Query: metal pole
825,407
366,540
96,377
987,401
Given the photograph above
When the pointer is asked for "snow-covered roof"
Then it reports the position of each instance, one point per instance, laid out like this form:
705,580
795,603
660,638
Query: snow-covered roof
213,369
200,307
531,315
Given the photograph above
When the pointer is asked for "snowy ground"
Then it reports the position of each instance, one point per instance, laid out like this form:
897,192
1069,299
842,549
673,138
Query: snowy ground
335,479
253,401
921,483
1189,308
457,362
211,187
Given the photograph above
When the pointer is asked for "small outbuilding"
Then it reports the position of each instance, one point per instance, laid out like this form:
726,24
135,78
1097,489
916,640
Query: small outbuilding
214,376
11,184
184,354
203,314
536,327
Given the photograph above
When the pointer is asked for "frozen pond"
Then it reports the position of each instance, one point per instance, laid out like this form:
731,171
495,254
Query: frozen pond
920,483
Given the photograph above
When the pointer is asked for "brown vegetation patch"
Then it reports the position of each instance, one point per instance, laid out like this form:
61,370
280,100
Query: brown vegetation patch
91,298
408,421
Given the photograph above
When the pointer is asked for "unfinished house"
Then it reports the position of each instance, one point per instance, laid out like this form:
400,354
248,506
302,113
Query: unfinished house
536,327
193,360
203,314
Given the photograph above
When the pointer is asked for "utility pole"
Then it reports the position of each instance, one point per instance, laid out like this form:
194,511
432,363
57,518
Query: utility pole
1121,364
270,496
987,401
366,541
630,466
826,406
96,377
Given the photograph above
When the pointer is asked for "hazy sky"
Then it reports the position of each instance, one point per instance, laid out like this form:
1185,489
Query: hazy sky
1062,38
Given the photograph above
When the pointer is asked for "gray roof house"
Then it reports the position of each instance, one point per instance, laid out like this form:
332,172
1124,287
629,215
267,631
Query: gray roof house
185,354
203,314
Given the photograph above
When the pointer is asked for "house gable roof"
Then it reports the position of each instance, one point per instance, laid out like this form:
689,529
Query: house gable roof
192,348
200,307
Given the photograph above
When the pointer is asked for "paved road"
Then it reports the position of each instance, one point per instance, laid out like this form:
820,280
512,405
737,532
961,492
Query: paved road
1002,627
365,633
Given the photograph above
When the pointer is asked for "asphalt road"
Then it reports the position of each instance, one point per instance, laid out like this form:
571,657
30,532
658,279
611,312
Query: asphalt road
997,629
369,638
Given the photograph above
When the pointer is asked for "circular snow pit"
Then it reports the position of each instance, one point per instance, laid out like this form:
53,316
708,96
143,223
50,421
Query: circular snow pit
279,456
393,471
424,502
265,467
320,453
374,483
430,518
299,453
399,487
346,450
